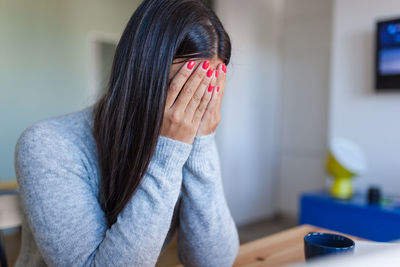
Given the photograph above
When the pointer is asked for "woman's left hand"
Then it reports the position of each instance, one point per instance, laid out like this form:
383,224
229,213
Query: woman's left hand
212,115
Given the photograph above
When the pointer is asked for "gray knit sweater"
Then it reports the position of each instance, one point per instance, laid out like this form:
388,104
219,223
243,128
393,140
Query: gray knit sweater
58,175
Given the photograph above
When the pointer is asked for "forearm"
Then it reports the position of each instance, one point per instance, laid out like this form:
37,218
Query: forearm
67,222
143,226
207,233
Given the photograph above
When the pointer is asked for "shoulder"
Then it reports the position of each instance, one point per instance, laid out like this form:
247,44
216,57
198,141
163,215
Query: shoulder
64,128
40,136
59,138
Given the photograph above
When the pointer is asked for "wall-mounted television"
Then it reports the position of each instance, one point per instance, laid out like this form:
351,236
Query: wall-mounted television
388,55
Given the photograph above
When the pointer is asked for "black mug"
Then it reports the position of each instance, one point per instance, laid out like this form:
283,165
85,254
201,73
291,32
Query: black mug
319,244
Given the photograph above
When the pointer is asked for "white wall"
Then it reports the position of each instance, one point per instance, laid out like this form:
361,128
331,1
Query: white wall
304,100
45,60
247,136
274,126
357,112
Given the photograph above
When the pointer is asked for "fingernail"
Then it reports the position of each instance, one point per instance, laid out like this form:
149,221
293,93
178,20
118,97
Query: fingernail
216,73
190,65
206,64
224,67
210,88
217,89
209,73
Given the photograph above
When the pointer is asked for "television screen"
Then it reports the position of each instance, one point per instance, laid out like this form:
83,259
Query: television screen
388,55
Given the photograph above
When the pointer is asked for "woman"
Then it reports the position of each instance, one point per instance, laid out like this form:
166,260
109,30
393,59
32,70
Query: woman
109,185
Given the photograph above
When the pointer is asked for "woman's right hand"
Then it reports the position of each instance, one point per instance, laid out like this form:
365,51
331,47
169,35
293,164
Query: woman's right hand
187,99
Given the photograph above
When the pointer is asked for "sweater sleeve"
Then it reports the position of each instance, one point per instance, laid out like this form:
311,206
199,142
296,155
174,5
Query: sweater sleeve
207,233
65,217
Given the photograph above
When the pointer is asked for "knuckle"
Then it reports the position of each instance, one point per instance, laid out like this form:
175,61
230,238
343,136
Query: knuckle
199,75
205,83
174,86
189,90
196,98
175,116
202,107
185,75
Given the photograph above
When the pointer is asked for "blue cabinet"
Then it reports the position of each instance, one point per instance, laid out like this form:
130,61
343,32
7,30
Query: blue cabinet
355,216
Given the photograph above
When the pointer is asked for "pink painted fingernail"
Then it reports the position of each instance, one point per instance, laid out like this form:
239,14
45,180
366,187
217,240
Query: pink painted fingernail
217,89
216,73
210,88
224,67
190,65
209,73
206,64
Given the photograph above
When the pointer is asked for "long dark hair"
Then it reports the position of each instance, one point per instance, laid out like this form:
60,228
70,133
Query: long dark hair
128,118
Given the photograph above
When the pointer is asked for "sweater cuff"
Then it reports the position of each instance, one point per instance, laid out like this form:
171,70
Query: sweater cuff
203,150
170,154
203,143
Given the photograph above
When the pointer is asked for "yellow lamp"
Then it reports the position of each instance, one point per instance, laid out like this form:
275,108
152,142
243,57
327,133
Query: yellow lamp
345,161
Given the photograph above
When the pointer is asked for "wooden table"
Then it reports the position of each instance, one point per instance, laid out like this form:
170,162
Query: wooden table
279,249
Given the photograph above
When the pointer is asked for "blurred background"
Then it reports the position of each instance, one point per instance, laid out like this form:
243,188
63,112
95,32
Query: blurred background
302,73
